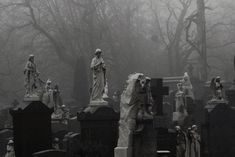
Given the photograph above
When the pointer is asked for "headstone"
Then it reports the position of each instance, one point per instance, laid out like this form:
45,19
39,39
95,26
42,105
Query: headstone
99,132
31,128
158,91
144,140
218,132
165,138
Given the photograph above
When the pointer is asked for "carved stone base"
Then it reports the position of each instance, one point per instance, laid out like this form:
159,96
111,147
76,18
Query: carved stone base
31,97
98,103
123,152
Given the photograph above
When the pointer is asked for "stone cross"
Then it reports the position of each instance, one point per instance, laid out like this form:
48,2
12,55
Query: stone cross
158,91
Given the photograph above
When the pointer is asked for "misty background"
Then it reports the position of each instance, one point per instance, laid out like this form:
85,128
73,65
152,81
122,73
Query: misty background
147,36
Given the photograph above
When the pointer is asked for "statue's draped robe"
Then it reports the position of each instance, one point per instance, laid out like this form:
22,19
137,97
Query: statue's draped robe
98,66
188,89
194,149
31,74
129,107
180,106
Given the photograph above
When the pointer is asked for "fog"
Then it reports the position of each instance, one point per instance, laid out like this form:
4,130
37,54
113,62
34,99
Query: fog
148,36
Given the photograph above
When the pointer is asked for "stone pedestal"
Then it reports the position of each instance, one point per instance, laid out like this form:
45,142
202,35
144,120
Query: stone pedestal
218,131
123,152
31,128
99,131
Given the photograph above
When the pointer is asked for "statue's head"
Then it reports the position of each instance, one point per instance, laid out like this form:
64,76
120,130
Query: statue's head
31,58
217,79
137,83
98,52
186,77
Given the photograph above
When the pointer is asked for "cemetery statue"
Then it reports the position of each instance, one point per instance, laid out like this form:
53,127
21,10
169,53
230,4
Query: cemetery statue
180,142
99,77
47,98
195,142
216,88
187,86
181,111
31,75
146,108
131,100
57,98
10,149
55,144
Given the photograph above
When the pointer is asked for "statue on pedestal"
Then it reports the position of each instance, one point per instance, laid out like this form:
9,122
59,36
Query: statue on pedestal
99,79
31,75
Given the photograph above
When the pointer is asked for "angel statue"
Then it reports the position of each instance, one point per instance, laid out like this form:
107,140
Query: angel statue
216,88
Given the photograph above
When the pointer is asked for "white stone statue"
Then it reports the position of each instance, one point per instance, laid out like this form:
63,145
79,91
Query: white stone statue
47,97
180,105
31,76
187,86
99,78
131,100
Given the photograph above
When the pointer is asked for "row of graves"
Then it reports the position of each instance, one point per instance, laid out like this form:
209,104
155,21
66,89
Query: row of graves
163,117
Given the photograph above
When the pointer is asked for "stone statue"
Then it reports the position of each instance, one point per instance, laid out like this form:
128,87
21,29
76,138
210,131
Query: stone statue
10,149
180,142
194,138
180,100
31,74
57,98
216,88
47,97
99,78
131,100
187,86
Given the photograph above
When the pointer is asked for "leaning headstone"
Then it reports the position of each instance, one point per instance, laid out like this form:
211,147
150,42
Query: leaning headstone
31,128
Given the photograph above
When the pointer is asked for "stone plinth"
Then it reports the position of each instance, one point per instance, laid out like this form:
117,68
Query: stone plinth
218,131
31,128
99,131
123,152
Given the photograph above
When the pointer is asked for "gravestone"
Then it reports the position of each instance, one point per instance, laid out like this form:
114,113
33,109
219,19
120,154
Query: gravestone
31,128
218,132
165,138
158,91
99,132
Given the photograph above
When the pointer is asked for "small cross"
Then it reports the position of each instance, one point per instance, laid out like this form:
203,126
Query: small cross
158,91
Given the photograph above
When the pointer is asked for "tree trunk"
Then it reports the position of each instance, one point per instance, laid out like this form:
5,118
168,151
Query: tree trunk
201,29
80,88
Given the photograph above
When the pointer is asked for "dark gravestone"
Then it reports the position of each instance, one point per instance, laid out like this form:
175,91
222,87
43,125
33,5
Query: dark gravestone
31,128
144,140
99,132
218,132
158,91
165,139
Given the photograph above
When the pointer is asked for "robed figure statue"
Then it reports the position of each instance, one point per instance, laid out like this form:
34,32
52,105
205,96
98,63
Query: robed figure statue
99,80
